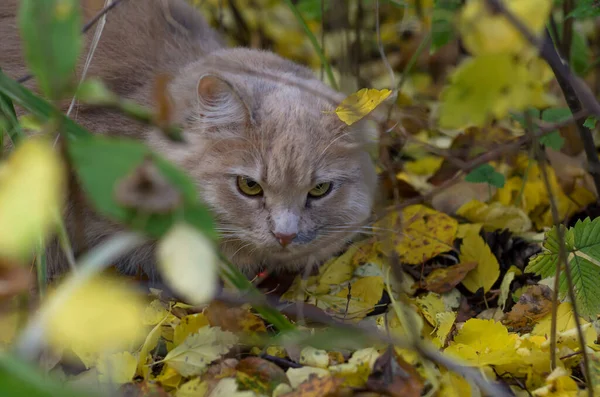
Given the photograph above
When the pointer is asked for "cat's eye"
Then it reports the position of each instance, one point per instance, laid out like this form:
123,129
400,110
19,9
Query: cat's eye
249,186
320,190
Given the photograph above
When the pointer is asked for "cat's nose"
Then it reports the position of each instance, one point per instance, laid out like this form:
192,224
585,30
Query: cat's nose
285,239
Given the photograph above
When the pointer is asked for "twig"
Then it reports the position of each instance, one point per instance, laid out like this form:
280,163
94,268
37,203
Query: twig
84,30
563,261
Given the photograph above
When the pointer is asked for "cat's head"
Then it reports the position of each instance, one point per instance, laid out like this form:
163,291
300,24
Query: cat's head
289,182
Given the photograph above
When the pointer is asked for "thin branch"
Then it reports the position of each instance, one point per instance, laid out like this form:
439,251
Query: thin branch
563,261
84,30
567,31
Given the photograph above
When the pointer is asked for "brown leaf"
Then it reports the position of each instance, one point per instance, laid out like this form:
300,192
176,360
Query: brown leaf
392,376
145,189
260,375
316,387
534,303
233,319
445,279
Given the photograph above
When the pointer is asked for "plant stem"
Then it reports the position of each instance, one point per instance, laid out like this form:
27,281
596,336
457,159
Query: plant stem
314,43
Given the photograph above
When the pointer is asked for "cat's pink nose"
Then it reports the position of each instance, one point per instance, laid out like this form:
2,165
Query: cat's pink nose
285,239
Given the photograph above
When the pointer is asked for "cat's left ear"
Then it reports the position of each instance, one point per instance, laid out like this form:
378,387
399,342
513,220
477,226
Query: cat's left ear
220,104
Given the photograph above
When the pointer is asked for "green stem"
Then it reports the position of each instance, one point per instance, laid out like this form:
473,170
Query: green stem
314,43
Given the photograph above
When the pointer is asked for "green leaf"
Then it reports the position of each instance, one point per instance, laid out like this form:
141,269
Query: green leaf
486,174
585,9
442,23
9,120
553,140
50,30
582,243
39,107
102,163
18,379
590,122
580,53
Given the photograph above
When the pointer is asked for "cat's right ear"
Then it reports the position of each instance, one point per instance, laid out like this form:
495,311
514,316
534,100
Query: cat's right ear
220,104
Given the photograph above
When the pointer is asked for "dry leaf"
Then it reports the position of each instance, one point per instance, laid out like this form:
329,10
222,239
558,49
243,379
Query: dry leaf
534,303
487,271
445,279
361,103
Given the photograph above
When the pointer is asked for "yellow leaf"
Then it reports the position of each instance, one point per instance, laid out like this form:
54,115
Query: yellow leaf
430,304
198,350
505,286
484,342
424,166
194,388
32,184
117,368
188,325
188,262
314,357
558,384
474,249
149,344
169,378
565,322
486,87
155,313
361,103
301,375
485,31
445,322
495,216
97,316
228,387
466,228
452,385
425,233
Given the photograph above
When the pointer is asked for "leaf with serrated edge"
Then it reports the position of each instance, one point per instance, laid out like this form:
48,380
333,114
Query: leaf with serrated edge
198,350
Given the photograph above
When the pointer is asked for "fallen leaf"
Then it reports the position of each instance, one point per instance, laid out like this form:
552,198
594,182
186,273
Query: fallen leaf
259,375
117,368
234,319
444,279
228,388
487,271
392,376
425,233
198,350
495,216
534,303
315,386
314,357
194,388
558,384
300,375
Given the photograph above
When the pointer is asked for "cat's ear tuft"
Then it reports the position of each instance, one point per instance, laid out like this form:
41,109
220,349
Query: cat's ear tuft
220,104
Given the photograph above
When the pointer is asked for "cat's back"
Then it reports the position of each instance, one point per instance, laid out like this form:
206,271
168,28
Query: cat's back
140,38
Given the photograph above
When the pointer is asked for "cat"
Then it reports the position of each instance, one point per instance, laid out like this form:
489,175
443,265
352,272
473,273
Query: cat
286,179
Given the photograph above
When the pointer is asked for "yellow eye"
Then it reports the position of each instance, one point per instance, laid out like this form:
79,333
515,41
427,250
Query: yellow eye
321,190
248,186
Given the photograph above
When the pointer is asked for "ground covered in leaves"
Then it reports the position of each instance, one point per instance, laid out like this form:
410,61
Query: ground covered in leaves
451,291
